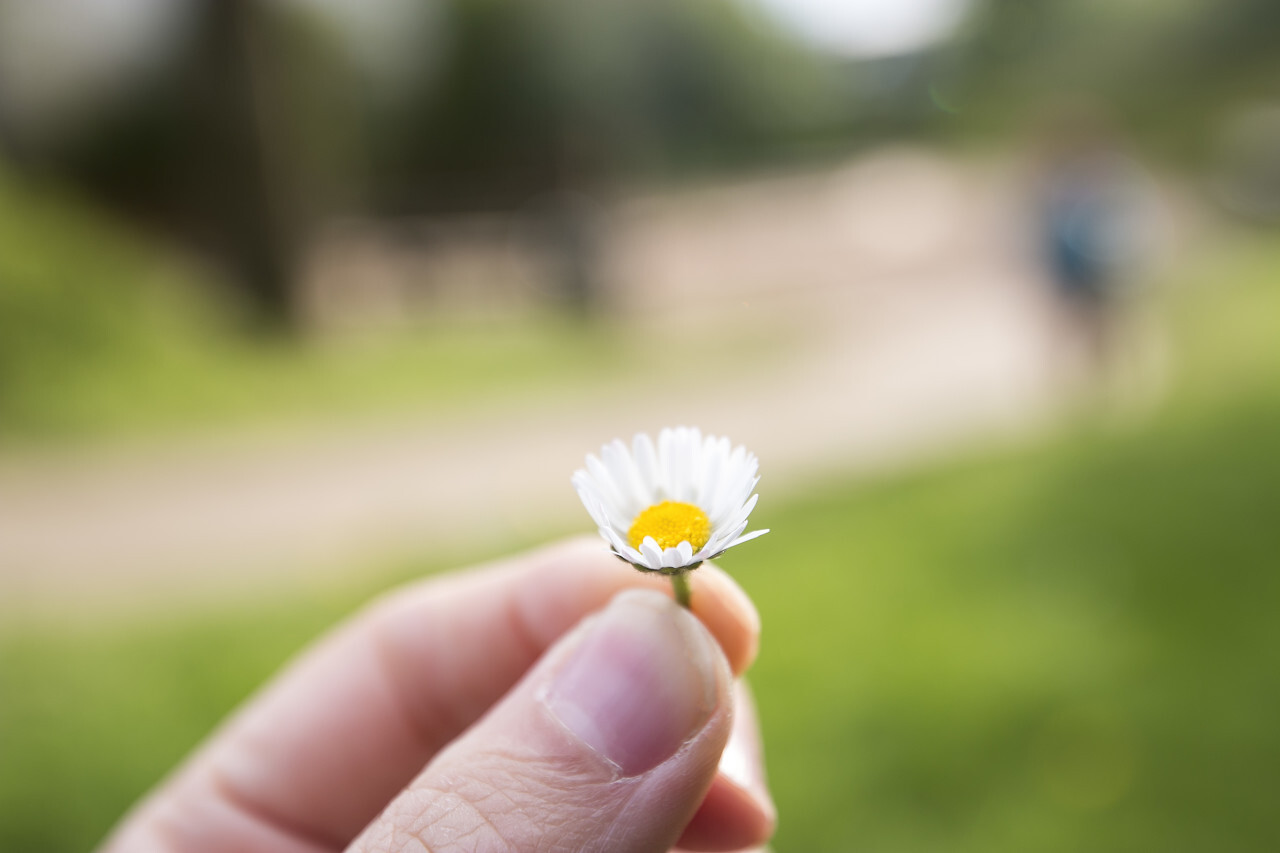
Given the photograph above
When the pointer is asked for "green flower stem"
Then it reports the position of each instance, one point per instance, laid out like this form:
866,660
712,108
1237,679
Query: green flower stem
680,583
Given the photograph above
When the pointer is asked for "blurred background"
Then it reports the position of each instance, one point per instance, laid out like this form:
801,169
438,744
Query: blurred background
302,299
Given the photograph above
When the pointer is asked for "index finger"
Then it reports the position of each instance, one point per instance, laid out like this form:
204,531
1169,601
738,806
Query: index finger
315,756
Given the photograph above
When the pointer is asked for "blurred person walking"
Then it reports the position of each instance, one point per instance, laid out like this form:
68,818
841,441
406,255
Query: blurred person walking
1095,221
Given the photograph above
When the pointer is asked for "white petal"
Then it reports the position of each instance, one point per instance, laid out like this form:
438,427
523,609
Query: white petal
615,539
747,538
620,548
618,461
602,512
717,503
696,463
666,439
613,493
604,481
652,553
743,511
740,483
674,465
745,502
735,483
680,462
724,536
596,512
709,479
693,466
593,505
646,461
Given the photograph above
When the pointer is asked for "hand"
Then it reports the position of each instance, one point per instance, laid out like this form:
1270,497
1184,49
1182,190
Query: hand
489,711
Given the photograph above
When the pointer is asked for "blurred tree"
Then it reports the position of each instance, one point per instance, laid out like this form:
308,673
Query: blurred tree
220,148
566,94
261,123
1169,72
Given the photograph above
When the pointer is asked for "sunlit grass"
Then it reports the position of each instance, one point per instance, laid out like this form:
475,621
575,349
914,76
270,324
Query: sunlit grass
1068,647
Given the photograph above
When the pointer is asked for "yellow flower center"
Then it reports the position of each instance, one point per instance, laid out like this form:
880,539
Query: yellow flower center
670,523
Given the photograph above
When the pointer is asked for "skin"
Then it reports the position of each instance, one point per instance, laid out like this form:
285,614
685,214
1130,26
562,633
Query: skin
423,723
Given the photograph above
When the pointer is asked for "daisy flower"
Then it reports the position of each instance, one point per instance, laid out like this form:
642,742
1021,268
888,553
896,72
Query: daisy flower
667,507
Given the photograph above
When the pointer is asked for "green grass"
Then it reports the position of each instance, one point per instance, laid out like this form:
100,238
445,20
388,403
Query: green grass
106,336
1069,645
91,718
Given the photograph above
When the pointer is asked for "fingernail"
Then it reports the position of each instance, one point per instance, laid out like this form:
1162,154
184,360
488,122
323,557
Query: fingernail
641,682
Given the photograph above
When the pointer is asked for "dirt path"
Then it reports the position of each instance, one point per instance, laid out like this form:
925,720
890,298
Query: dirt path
923,329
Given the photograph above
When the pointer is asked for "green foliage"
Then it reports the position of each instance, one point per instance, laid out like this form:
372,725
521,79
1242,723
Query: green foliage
1166,72
77,300
102,335
532,99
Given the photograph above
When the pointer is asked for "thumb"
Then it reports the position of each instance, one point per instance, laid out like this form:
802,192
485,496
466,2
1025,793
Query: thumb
609,743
